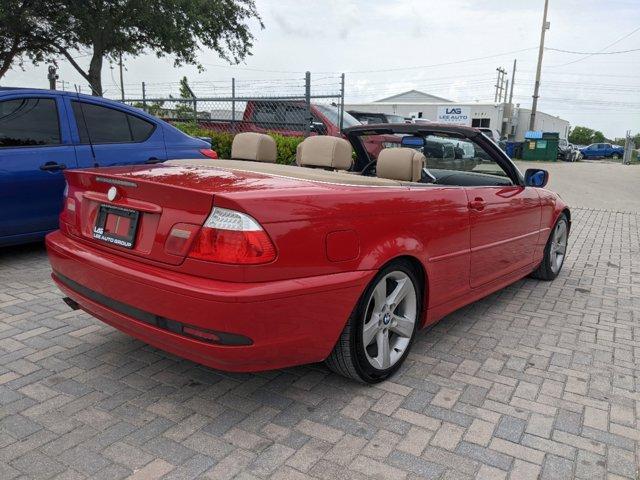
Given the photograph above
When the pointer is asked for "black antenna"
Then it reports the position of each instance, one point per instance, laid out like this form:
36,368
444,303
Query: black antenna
86,128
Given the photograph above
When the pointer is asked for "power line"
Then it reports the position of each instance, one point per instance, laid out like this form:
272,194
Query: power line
601,50
418,67
592,53
395,69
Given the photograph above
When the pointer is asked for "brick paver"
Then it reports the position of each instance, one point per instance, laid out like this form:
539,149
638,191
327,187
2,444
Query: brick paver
539,380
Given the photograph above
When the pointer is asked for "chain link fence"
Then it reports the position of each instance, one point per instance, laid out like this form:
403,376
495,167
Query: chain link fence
290,107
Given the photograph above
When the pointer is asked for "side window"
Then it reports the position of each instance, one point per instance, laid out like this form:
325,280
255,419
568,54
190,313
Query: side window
140,129
265,114
452,160
460,161
29,122
97,124
294,117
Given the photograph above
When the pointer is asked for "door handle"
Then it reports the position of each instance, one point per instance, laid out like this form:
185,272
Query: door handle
52,166
477,204
153,160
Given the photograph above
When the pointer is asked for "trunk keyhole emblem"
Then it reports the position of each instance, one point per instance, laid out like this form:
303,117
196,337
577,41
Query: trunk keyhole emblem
112,193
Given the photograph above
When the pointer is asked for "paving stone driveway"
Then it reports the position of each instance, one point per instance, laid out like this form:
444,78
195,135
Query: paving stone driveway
540,380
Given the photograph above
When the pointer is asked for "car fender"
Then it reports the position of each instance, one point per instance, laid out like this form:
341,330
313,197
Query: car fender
391,247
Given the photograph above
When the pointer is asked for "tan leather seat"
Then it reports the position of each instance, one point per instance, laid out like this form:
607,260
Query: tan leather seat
326,152
404,164
257,147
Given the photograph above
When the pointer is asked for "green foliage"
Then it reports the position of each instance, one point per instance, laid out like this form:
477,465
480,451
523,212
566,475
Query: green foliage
154,108
185,89
221,142
585,136
179,28
184,109
286,147
24,32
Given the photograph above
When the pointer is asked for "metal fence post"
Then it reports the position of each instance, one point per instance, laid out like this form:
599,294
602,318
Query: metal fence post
341,101
233,102
195,110
307,101
144,98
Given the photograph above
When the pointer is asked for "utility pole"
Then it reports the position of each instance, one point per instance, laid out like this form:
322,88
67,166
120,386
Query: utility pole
499,84
52,76
121,78
513,80
536,88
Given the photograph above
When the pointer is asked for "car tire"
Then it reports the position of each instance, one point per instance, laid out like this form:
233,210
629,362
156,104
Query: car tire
555,251
374,363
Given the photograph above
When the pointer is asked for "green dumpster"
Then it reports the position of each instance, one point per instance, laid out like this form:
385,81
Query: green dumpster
540,146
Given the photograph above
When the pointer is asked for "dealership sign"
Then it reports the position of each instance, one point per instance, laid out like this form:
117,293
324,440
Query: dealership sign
454,115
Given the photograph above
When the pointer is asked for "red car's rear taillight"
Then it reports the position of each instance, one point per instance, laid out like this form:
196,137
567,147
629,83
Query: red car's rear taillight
232,237
207,152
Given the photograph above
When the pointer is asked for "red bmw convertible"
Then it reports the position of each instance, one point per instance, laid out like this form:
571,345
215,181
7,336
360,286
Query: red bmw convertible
247,265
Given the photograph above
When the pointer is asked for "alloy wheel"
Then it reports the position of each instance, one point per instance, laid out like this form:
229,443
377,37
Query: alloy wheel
389,321
558,246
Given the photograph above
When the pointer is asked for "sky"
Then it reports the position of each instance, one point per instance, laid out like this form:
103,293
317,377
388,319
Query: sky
448,48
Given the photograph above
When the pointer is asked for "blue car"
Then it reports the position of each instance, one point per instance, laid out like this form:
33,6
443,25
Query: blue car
43,132
602,150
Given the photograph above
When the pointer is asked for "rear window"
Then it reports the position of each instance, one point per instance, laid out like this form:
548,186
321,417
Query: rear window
29,122
97,124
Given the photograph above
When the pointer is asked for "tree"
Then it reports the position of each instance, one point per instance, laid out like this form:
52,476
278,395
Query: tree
108,28
25,26
585,136
185,110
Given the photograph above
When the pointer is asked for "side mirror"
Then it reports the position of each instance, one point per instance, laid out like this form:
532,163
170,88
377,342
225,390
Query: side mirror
536,177
319,128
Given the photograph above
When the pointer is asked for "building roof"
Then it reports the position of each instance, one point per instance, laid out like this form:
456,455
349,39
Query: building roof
413,96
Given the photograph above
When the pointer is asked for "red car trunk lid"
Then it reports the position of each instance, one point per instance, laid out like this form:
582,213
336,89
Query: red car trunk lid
110,209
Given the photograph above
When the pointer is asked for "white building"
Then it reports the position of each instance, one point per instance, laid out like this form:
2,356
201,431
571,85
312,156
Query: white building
510,120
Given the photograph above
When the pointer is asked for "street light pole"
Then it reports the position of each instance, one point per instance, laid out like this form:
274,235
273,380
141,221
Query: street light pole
536,88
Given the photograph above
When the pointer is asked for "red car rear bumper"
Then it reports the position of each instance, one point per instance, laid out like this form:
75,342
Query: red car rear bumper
288,322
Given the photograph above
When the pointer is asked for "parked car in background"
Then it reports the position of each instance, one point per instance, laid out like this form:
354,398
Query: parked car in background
369,117
43,132
290,118
245,265
285,117
603,150
567,152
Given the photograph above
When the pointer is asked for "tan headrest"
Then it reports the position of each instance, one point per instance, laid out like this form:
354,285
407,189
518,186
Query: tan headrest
403,164
324,151
254,146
